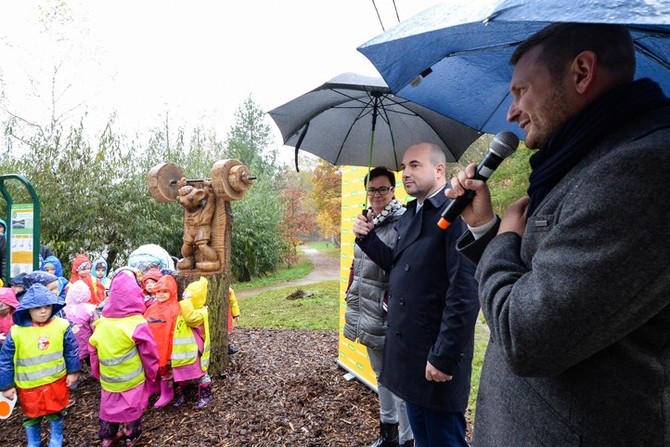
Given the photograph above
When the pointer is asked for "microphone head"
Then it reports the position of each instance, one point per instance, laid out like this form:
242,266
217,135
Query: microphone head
504,144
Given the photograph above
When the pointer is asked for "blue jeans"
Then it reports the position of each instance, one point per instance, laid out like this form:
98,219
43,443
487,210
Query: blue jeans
434,428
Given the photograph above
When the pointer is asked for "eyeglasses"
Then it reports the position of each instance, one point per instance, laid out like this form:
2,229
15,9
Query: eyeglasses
381,190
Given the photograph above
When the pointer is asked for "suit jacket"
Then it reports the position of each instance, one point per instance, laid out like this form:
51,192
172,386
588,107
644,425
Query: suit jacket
579,308
432,310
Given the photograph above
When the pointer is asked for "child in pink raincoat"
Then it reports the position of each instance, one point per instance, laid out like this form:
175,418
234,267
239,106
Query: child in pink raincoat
124,357
8,304
81,313
190,349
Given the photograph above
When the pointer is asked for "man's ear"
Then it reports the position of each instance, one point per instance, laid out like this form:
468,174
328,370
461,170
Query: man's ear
439,170
583,71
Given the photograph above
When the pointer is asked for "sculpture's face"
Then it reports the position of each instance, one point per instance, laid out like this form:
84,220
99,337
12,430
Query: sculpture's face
191,201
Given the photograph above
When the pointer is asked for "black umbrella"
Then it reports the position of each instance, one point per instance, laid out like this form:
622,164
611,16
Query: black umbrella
356,120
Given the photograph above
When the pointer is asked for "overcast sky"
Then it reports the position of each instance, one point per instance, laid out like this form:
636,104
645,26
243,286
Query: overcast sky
197,59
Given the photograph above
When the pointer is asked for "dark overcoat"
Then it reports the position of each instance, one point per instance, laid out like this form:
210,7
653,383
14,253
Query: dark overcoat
432,310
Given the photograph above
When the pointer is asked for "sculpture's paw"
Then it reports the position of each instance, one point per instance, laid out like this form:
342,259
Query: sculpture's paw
185,264
208,266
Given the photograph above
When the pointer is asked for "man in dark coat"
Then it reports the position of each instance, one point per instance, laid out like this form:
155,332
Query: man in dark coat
574,279
433,307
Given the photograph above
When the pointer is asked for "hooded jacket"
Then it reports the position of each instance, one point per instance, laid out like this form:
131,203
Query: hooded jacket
94,284
152,273
125,303
192,325
162,317
81,314
52,396
62,280
233,308
100,262
44,278
8,298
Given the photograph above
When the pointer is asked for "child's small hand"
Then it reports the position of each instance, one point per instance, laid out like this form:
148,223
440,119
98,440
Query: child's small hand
10,393
71,379
3,337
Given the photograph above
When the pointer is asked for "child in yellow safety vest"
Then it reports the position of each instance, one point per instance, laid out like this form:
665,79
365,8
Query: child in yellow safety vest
190,348
124,358
40,360
233,314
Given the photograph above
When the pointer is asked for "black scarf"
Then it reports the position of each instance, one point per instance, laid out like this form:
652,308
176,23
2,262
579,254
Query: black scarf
581,133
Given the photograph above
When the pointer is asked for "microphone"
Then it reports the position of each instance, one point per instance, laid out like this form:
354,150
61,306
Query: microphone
502,146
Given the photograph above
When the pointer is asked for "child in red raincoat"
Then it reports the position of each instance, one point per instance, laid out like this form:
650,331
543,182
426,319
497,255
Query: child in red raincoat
162,318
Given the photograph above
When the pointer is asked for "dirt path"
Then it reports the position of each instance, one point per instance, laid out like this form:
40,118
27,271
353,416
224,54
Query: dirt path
326,268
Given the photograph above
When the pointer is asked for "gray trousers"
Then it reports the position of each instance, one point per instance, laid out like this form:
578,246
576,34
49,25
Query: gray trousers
391,408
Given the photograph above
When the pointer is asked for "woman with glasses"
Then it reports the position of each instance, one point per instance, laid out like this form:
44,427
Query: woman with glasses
365,317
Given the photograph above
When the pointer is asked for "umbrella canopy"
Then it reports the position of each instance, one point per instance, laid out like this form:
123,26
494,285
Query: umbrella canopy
453,58
356,120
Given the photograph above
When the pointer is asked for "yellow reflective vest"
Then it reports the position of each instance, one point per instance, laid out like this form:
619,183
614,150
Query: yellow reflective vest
39,353
120,364
184,346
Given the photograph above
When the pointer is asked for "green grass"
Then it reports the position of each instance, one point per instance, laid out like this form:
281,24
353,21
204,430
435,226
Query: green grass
297,271
481,341
325,247
319,310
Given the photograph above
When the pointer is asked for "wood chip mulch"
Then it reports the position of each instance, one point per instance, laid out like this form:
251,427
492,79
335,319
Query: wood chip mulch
283,388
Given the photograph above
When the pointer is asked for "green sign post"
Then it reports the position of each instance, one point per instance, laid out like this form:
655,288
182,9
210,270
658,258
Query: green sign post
22,250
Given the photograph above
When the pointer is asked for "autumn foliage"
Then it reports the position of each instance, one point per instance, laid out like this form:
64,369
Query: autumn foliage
327,198
297,221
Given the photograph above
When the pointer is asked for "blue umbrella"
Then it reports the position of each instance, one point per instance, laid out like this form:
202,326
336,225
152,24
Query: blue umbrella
453,58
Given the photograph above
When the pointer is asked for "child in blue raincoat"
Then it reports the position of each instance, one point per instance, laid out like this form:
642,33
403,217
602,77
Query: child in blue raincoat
51,264
40,361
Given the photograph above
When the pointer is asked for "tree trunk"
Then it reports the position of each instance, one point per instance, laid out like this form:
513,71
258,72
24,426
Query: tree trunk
217,310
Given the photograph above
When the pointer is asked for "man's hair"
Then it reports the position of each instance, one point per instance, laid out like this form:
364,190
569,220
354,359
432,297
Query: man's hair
562,42
379,171
437,155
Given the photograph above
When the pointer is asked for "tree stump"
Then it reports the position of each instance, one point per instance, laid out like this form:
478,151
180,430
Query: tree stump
217,303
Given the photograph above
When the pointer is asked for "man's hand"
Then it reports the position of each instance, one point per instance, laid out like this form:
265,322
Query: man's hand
515,217
10,393
435,375
363,225
480,211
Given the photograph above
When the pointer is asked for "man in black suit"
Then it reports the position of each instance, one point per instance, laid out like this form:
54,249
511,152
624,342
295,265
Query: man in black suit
433,306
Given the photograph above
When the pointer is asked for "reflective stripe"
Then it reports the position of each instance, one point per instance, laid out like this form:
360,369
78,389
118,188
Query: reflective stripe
41,374
185,350
117,361
131,375
183,355
39,356
120,360
39,359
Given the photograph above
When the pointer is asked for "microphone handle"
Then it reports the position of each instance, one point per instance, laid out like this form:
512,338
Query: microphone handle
459,204
456,207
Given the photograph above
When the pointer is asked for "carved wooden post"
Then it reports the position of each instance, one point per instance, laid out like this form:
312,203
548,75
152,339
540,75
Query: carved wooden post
207,236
